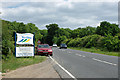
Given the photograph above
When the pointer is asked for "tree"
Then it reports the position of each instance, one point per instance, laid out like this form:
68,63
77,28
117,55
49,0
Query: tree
43,32
52,28
61,39
62,32
55,40
75,33
111,43
106,28
8,29
44,36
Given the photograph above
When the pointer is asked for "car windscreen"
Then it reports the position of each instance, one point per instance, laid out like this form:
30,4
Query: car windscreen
63,44
43,46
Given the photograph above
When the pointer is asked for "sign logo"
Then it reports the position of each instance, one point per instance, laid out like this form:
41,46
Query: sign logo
26,38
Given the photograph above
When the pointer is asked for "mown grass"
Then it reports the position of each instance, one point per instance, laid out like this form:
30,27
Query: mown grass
13,63
94,50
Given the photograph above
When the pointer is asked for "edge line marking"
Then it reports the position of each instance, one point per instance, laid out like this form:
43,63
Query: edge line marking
104,61
63,68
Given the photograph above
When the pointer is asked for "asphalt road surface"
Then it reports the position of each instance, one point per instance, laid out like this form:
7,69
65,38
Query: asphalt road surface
82,64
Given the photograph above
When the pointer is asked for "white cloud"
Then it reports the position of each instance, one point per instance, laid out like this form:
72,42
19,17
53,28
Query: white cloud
59,0
66,13
0,9
64,4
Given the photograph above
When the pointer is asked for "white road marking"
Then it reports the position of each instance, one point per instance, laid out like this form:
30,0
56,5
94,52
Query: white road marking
80,55
104,61
63,68
83,56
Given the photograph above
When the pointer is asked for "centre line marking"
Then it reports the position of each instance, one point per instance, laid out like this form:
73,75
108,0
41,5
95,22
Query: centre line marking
83,56
63,68
80,55
104,61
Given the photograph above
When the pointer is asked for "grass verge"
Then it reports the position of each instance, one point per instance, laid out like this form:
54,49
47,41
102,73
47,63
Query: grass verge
13,63
94,50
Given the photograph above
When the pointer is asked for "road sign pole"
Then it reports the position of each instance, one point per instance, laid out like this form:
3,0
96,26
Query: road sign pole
34,44
15,44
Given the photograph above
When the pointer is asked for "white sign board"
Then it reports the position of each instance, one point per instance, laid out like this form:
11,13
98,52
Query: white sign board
24,51
26,38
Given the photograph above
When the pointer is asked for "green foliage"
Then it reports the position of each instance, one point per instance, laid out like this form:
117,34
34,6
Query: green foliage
43,32
81,32
93,41
8,30
62,32
7,38
55,40
87,41
105,37
106,28
74,42
75,33
111,43
52,28
66,41
61,39
118,35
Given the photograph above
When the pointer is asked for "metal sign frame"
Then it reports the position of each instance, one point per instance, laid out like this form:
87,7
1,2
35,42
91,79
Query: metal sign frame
22,45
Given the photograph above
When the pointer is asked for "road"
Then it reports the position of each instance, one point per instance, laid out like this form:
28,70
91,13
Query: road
85,64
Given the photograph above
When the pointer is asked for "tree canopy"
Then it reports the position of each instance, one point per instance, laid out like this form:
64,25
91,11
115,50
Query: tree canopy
105,37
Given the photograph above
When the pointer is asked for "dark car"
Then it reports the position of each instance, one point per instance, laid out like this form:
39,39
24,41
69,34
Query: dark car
44,49
63,46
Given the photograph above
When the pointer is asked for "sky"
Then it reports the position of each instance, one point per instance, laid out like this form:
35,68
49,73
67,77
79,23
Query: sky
65,13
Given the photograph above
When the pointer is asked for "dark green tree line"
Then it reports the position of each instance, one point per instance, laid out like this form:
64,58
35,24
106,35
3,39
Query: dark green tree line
106,36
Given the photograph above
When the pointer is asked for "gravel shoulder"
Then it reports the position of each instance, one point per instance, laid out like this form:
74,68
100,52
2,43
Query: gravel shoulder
41,70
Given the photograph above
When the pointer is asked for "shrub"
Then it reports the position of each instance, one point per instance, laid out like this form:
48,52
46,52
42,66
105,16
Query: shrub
61,39
92,41
66,41
87,41
111,43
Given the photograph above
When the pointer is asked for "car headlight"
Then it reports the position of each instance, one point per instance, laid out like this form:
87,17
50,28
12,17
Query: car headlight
40,50
49,50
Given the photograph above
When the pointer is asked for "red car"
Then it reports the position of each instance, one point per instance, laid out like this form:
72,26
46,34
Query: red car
44,49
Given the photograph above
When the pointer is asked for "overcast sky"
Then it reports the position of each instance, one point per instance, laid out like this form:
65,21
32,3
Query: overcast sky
65,13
